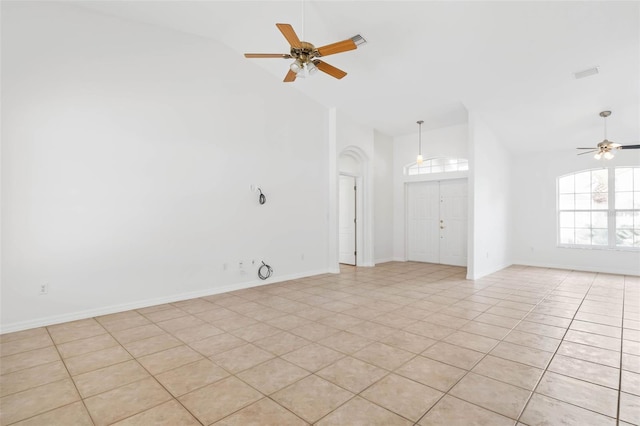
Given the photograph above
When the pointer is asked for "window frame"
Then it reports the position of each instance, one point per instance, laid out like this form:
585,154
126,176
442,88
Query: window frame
458,161
611,212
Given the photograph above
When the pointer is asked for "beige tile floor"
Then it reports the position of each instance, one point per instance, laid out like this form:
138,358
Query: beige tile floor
398,344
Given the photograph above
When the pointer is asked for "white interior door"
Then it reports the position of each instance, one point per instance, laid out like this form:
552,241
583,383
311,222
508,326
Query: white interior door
453,222
347,220
437,222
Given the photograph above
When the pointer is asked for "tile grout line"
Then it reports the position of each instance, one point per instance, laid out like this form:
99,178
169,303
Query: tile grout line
624,288
548,292
556,351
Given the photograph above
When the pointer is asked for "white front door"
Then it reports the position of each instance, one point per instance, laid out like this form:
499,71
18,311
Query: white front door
437,222
347,220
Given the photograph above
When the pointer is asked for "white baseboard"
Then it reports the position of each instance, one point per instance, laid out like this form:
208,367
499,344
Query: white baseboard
385,260
601,269
90,313
473,275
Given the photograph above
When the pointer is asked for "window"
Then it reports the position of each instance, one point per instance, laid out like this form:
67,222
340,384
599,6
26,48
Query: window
438,165
600,208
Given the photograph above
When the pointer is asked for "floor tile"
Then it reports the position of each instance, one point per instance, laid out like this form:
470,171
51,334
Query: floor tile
25,334
151,345
281,343
345,342
83,346
430,330
73,414
28,359
167,414
104,379
189,377
453,355
241,358
312,398
630,382
590,353
352,374
198,332
384,356
431,373
471,341
217,344
23,345
122,402
314,331
402,396
169,359
450,411
408,341
629,408
496,396
215,401
272,375
360,412
32,377
535,341
511,372
522,354
542,410
95,360
262,413
62,334
137,333
313,357
255,332
28,403
578,392
584,370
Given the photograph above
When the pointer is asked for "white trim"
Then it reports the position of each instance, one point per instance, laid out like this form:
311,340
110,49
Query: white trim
91,313
476,275
602,270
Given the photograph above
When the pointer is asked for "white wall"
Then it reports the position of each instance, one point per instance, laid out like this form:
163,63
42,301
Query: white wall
128,154
383,200
449,141
535,219
489,209
356,140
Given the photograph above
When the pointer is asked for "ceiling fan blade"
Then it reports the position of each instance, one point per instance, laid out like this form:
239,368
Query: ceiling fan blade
291,76
629,147
291,36
588,152
341,46
329,69
267,55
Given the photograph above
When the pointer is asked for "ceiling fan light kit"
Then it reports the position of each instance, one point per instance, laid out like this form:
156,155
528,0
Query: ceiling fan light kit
306,54
605,148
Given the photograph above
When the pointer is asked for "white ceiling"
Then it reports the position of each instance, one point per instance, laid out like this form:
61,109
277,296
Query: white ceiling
511,62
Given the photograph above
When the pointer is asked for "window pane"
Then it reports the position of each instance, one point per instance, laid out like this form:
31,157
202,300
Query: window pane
566,236
583,202
636,177
624,200
624,179
600,180
625,237
567,220
583,182
636,219
583,236
583,220
566,202
450,167
624,220
465,166
599,200
636,200
600,237
636,237
565,184
599,220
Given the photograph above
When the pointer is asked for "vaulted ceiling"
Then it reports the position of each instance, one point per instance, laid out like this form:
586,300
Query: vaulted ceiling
510,62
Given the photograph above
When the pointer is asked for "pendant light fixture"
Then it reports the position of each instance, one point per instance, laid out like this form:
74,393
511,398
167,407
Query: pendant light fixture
419,159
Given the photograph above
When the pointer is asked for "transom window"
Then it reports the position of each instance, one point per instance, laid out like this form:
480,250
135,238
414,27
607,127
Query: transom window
600,208
438,165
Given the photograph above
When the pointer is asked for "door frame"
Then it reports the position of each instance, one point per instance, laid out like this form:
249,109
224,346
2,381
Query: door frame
406,211
359,216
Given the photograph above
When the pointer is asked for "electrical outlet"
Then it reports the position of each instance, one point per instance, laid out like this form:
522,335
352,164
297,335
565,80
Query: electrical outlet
241,265
44,289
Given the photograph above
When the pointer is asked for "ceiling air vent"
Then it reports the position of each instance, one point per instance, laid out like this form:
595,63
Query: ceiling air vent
586,73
